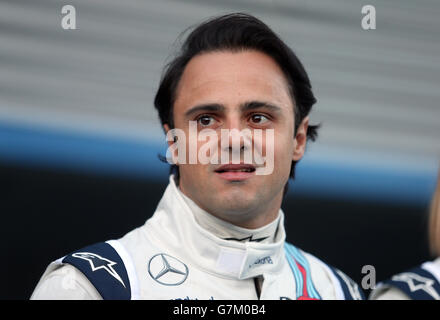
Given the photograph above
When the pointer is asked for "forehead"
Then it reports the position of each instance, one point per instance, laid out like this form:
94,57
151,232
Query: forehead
231,78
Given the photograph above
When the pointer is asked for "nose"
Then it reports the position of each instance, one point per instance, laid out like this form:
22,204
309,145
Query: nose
236,138
233,121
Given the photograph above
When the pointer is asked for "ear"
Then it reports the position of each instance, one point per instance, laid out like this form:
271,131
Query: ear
166,127
172,148
300,140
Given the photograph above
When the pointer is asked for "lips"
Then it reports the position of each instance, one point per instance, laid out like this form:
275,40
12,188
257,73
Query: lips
236,172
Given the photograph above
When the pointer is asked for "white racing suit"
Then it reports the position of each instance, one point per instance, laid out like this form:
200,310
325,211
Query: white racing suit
173,257
420,283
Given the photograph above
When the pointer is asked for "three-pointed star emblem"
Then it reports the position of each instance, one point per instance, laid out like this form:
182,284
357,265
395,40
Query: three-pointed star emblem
167,270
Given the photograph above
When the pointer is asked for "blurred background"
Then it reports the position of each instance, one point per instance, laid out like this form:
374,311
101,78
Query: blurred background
79,136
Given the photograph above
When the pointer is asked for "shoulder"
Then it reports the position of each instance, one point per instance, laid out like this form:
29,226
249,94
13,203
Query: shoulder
105,269
419,283
329,281
64,282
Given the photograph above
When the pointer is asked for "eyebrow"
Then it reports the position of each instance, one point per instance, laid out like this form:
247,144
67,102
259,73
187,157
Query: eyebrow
210,107
246,106
252,105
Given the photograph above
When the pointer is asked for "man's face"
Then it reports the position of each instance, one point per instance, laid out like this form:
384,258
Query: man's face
238,90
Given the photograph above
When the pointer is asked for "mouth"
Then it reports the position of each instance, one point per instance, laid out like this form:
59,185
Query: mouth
236,172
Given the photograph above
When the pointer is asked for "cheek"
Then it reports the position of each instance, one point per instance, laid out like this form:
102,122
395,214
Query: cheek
277,147
283,151
193,175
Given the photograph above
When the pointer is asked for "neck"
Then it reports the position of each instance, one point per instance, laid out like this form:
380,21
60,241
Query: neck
256,231
256,218
253,218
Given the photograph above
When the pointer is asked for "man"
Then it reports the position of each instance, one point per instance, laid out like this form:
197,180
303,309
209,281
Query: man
218,232
421,282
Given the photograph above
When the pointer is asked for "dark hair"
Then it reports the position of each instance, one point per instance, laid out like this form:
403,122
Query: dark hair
237,32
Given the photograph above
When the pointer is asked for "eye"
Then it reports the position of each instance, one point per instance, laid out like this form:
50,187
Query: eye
205,120
259,119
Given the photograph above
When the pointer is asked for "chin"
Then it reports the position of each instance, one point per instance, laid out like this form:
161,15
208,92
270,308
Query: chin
237,200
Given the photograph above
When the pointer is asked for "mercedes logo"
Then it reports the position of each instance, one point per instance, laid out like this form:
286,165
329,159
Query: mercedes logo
167,270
